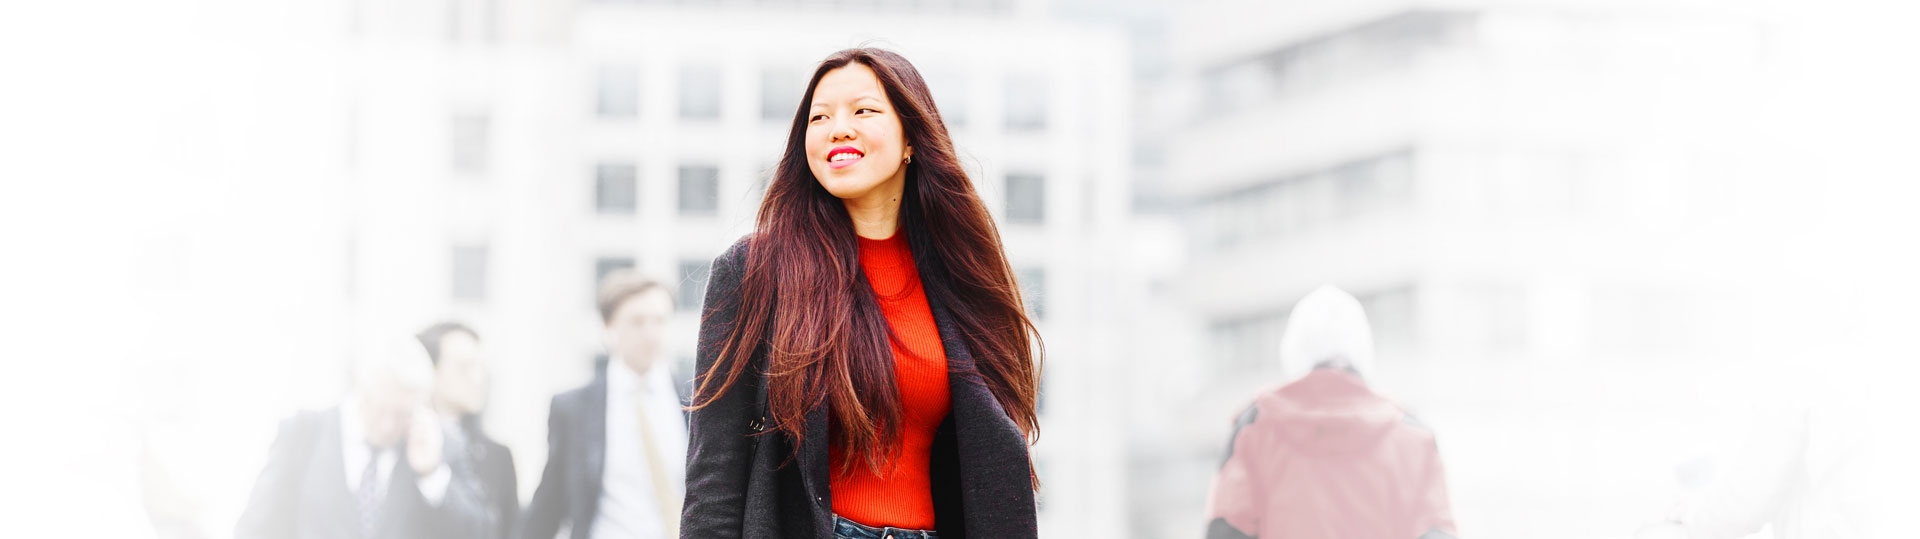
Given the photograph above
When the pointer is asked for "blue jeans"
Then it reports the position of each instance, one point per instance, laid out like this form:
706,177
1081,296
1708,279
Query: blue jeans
847,529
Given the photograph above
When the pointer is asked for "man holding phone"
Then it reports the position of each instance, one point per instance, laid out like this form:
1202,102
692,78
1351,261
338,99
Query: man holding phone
371,468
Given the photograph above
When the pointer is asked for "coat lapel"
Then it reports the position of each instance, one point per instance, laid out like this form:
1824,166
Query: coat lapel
994,465
594,427
814,476
402,499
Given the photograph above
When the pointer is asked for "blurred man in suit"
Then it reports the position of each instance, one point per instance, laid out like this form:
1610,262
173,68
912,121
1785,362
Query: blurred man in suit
371,468
460,387
616,457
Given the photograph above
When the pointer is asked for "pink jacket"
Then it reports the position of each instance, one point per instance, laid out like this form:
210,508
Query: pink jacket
1324,456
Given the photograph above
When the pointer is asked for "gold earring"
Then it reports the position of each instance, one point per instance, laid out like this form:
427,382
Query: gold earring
909,159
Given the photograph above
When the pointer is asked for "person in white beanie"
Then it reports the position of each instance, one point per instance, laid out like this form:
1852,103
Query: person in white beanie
1323,455
1327,329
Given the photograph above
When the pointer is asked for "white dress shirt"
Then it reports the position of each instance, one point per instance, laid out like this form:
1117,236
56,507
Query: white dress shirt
355,451
627,508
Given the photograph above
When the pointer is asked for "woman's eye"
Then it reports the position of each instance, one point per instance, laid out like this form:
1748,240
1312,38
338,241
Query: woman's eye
817,117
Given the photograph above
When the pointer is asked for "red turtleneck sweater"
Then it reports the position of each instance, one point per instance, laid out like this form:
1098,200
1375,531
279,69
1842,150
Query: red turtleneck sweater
902,496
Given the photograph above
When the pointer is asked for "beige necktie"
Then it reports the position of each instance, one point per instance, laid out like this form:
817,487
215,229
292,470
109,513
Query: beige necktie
663,492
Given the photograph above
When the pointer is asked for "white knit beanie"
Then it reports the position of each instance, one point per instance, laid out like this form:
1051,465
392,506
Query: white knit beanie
1327,324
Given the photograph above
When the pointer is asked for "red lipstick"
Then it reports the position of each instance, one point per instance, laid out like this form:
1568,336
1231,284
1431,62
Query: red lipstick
843,163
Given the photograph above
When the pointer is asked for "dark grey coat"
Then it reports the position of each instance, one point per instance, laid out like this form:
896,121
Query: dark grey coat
737,488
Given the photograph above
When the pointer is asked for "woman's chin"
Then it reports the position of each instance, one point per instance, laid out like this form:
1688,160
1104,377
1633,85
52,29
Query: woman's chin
848,190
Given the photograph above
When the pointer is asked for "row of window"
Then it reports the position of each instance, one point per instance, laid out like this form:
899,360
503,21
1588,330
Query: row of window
689,285
701,87
1302,202
1491,317
935,6
1251,343
470,279
1390,44
616,186
471,132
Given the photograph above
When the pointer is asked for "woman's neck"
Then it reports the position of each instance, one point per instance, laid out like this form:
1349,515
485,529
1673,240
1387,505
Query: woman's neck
877,215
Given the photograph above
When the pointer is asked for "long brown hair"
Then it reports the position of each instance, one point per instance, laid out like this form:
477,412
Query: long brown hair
804,300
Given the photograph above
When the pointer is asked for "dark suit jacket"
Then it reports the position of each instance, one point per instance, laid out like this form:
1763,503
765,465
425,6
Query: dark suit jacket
569,490
739,486
489,468
302,493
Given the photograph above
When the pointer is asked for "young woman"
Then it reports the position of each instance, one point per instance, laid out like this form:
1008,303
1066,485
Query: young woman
865,367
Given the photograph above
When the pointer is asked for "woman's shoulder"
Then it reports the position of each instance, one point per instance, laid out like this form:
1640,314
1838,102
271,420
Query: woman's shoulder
728,268
735,257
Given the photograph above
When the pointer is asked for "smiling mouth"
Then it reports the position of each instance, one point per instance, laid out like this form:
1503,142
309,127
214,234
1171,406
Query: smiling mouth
843,156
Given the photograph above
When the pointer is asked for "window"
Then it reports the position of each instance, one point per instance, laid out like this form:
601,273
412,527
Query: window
1636,319
472,21
693,284
1238,85
1026,103
605,265
469,276
700,92
1248,344
469,144
1026,198
1492,316
699,190
1391,315
618,91
780,93
1302,202
615,187
950,96
1387,45
1033,290
761,183
1372,185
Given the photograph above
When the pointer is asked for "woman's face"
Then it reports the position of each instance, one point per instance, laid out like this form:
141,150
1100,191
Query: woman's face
855,145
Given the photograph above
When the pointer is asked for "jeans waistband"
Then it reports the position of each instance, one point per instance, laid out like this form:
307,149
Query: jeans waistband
847,529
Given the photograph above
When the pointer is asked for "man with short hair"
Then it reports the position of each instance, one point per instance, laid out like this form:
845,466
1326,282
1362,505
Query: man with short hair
460,390
617,448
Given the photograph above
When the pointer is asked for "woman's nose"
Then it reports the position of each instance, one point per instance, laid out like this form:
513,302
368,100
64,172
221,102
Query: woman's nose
840,131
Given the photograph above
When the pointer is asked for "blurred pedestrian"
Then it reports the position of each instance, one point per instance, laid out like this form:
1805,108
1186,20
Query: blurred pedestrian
617,448
371,468
460,388
1323,455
